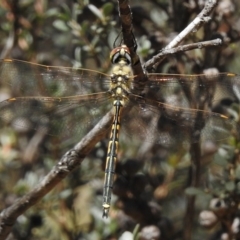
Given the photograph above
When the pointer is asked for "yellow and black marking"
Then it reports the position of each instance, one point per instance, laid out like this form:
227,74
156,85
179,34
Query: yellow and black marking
121,80
111,159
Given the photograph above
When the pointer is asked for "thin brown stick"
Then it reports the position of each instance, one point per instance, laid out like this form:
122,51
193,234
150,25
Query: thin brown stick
194,173
183,48
201,19
125,15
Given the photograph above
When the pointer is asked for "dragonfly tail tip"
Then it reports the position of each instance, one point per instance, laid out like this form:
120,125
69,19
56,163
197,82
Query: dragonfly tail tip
105,212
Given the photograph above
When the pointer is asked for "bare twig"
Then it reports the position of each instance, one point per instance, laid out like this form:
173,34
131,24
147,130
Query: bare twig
201,19
128,38
8,45
32,147
194,173
183,48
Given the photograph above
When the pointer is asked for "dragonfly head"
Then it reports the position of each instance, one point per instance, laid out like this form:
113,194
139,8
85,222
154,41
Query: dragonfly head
119,53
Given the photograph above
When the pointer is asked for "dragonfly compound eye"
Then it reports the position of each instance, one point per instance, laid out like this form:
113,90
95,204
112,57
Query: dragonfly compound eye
121,52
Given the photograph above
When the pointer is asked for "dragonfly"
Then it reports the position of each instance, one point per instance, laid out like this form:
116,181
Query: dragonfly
70,101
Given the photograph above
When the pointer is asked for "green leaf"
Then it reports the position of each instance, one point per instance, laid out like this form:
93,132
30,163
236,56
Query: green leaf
52,12
220,161
193,191
95,11
107,9
136,231
230,186
237,172
60,25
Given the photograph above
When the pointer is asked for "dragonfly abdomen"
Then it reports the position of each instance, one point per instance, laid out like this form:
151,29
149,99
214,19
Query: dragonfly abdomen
121,80
111,158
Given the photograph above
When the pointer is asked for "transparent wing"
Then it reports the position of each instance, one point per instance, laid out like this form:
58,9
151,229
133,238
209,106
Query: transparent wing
29,79
177,107
165,124
191,90
64,117
66,101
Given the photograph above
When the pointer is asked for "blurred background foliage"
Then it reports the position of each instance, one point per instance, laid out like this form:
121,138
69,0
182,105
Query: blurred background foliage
150,190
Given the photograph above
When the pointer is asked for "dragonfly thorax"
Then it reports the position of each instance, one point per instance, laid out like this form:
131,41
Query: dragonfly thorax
121,79
121,76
